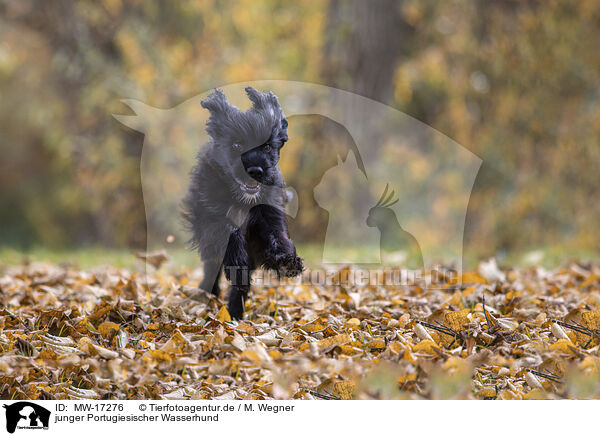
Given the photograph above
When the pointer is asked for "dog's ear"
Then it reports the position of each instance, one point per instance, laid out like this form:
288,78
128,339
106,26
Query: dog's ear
216,102
265,102
261,100
221,113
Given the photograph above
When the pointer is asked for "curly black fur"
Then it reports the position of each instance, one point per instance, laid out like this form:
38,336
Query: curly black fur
235,203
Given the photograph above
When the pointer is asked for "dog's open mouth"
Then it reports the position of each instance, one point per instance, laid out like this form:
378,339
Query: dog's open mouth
250,188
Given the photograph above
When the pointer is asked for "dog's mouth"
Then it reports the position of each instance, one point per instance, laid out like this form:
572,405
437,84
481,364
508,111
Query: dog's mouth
250,188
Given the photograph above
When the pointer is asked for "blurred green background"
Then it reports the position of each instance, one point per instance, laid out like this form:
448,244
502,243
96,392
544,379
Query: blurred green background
516,82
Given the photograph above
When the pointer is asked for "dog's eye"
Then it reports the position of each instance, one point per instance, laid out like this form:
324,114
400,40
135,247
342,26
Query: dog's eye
267,148
235,146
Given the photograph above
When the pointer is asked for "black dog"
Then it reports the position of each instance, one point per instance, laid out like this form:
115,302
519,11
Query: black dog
235,202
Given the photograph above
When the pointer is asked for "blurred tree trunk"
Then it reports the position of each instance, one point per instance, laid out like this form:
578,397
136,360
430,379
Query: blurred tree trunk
363,44
364,41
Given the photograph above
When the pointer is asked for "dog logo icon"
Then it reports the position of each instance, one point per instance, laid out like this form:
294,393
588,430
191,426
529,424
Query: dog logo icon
26,415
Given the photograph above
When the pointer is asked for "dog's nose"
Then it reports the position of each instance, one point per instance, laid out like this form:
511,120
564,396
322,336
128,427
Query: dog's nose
255,172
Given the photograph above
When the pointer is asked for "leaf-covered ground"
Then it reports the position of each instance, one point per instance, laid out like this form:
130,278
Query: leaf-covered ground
108,334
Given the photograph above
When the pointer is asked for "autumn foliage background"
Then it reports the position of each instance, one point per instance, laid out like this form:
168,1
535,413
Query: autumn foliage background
514,82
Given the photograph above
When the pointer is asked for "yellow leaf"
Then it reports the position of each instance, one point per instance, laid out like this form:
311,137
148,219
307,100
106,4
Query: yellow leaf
344,389
246,328
591,319
353,323
456,299
468,291
348,350
593,278
562,345
456,320
467,278
275,354
332,341
396,347
223,314
176,344
45,354
107,329
403,320
408,355
425,345
508,395
144,343
377,343
157,355
314,326
512,294
487,392
257,354
535,394
403,379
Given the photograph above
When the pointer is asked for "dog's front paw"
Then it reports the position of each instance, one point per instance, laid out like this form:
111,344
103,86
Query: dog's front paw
290,265
235,306
236,310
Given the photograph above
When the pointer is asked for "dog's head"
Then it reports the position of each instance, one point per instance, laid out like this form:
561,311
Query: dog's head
247,143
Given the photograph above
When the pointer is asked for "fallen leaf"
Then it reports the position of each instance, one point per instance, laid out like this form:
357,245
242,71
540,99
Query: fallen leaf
155,258
108,329
223,314
344,389
327,344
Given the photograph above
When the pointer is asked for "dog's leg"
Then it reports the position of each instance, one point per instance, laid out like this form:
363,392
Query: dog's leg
239,271
237,298
267,228
212,242
212,269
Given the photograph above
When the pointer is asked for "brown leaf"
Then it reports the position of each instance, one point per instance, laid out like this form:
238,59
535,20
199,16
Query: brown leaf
155,258
108,329
344,389
327,344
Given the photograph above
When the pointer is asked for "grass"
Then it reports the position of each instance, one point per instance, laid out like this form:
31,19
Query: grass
88,257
